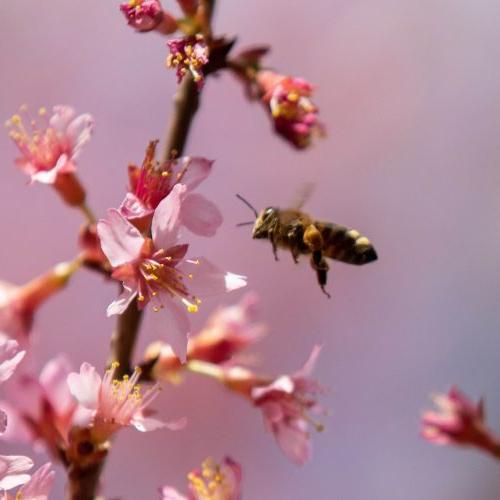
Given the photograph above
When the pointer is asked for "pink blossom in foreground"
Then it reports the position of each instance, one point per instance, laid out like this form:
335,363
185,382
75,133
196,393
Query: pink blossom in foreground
18,304
151,183
38,487
10,357
188,54
115,403
285,404
459,421
13,471
148,15
211,482
49,150
41,409
227,332
156,270
293,113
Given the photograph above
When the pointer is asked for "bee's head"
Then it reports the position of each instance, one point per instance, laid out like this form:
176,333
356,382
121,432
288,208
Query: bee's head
264,222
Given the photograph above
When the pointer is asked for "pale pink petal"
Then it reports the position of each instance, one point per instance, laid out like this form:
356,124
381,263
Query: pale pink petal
119,305
147,424
133,208
49,176
165,224
9,358
168,493
120,240
282,384
61,118
85,386
172,323
200,215
12,470
40,484
79,133
208,280
308,367
197,170
293,439
54,380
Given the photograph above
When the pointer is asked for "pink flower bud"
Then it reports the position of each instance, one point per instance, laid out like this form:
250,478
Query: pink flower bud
459,421
293,113
148,15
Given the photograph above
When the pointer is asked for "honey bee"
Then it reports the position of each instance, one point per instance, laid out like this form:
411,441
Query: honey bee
299,233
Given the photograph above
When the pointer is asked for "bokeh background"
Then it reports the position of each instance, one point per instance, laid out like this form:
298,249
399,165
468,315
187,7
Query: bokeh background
409,91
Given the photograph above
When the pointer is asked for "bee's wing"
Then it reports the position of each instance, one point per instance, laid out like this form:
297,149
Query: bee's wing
302,195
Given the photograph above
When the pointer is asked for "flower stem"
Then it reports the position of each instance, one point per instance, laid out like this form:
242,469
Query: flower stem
88,213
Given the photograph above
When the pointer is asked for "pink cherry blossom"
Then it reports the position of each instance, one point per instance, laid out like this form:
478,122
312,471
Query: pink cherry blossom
211,482
50,149
293,113
151,183
285,404
188,54
10,357
156,269
115,403
13,471
459,421
227,332
38,487
41,410
148,15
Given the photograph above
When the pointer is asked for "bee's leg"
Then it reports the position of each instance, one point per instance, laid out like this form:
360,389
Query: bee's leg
295,239
273,243
321,267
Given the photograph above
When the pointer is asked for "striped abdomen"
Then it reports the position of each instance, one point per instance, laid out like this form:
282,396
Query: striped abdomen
346,245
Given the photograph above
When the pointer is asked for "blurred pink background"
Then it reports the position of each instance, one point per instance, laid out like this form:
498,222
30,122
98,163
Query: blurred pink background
409,91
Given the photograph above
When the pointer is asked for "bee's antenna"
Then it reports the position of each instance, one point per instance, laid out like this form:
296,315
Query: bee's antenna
245,223
248,204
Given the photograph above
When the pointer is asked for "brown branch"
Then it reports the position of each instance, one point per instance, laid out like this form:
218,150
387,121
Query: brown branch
84,481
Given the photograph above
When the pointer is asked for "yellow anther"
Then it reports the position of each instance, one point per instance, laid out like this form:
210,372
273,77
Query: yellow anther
165,174
197,300
153,277
115,364
16,120
141,298
42,111
190,276
154,294
293,96
192,308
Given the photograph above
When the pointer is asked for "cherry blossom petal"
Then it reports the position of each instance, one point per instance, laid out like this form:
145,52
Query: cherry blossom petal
49,176
120,240
293,439
208,279
10,357
119,305
12,470
169,493
53,379
61,118
200,215
79,133
132,207
165,224
85,386
40,484
173,323
283,384
147,424
197,169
